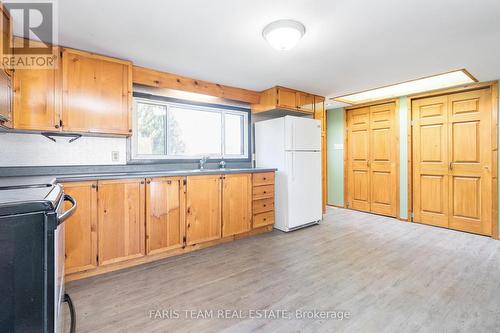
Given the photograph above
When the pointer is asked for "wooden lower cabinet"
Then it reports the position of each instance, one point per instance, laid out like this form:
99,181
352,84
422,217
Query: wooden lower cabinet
236,204
263,199
81,228
203,208
121,220
165,225
127,222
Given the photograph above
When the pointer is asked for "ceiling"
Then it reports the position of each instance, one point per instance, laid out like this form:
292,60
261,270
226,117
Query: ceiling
349,45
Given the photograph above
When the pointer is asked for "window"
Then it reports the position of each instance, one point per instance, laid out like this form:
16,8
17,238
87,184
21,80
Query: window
168,130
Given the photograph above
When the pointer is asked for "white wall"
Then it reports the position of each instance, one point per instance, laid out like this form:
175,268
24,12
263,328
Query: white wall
19,149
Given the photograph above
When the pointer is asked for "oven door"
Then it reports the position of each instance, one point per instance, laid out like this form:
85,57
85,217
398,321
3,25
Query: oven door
59,256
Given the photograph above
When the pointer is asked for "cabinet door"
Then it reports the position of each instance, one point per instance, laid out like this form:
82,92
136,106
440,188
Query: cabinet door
96,93
5,36
35,99
81,228
305,102
165,227
236,204
319,111
287,98
203,212
121,220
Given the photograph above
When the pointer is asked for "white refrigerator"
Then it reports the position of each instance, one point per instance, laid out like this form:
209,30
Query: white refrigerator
293,146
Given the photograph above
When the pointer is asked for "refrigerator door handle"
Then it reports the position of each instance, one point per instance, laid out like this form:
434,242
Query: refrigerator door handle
293,166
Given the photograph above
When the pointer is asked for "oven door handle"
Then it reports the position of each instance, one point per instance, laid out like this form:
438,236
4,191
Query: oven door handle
61,218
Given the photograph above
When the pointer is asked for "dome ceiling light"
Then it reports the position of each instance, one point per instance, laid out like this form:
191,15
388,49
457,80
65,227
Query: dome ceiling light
283,35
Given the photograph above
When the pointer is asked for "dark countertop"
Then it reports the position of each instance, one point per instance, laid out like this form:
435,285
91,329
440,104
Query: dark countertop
40,180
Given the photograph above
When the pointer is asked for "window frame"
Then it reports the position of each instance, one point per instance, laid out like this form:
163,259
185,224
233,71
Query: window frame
172,102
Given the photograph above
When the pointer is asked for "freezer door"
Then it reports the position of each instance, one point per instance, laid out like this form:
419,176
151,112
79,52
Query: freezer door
304,187
302,134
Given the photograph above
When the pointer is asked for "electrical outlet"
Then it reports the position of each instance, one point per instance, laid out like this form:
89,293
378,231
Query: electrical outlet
115,156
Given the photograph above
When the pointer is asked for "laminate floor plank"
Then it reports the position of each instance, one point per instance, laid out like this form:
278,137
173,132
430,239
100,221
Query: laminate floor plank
391,276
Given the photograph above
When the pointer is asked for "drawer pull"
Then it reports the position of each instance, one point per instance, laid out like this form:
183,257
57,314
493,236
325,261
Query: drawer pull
264,205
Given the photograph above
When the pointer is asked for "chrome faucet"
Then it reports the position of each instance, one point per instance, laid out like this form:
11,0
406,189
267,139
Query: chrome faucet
222,164
203,161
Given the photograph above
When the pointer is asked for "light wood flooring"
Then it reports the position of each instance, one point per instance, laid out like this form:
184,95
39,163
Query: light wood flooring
391,276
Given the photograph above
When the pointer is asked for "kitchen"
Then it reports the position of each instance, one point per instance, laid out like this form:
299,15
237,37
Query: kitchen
145,186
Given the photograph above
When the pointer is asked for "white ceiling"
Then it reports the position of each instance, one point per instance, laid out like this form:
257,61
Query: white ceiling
349,45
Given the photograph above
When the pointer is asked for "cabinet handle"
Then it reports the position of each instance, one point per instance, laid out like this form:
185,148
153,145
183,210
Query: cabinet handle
56,126
451,165
148,182
94,186
264,205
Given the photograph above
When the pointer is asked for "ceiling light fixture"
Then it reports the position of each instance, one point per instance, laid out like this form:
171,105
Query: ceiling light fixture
283,34
435,82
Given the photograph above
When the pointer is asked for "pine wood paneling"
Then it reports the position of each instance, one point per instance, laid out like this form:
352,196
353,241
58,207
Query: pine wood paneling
159,79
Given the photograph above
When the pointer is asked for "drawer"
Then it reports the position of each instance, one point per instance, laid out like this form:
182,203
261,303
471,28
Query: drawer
264,178
263,192
263,219
263,205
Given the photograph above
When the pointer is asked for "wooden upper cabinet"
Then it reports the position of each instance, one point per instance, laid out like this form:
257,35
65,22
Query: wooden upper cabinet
281,98
287,98
165,227
203,209
5,37
36,103
97,93
236,204
81,229
319,111
121,212
305,102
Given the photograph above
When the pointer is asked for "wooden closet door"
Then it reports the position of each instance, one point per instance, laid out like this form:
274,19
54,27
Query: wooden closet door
430,160
469,135
359,159
382,164
121,220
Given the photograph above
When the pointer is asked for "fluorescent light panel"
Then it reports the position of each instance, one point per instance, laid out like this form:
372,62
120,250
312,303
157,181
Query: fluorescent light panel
440,81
